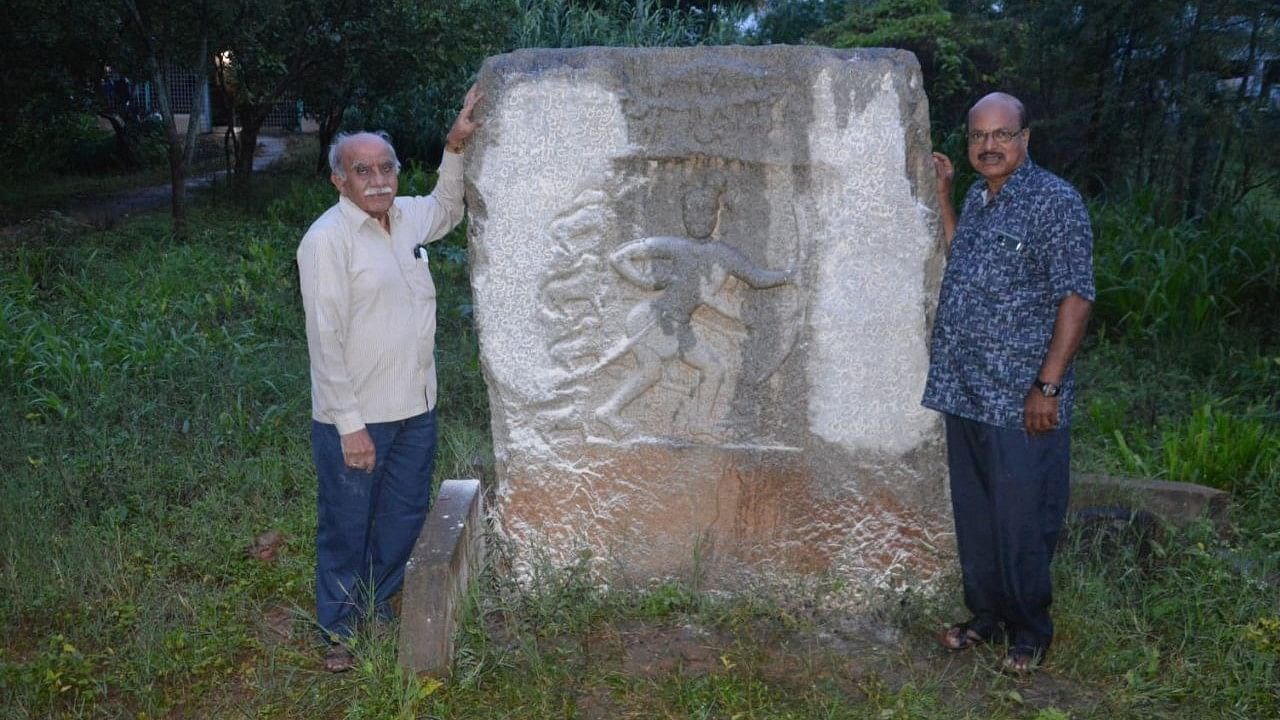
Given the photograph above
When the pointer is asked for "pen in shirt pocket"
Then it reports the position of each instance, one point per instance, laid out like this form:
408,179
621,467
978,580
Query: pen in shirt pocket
1009,241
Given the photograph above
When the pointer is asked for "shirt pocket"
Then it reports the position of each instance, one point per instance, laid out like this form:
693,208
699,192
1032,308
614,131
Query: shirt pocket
1005,260
420,281
423,288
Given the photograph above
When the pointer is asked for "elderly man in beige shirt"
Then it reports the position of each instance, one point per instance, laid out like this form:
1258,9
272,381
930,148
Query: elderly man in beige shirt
370,307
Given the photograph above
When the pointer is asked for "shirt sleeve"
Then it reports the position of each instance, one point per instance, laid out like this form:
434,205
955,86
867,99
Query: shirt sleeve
442,210
1065,220
325,299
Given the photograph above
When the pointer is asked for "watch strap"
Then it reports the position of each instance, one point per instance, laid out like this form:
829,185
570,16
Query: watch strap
1048,389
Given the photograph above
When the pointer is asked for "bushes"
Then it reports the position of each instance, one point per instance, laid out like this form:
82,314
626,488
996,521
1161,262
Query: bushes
72,142
43,146
1186,282
1182,378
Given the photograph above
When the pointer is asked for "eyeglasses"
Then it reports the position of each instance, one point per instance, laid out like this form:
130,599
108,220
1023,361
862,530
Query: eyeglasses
1001,136
385,168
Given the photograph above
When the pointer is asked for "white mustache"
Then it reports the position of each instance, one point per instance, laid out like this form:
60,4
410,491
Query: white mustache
373,192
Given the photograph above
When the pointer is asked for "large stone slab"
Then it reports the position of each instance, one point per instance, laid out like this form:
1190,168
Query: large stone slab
448,555
703,282
1175,502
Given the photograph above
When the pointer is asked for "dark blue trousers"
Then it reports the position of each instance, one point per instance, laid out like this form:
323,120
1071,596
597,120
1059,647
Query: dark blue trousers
1009,491
367,522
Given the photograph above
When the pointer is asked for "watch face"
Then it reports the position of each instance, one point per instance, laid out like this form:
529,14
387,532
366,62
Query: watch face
1048,389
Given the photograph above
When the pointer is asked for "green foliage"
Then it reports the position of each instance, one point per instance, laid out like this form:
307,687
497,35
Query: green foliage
157,411
418,116
59,673
945,48
1125,97
417,103
1220,449
631,23
787,22
1181,379
1159,281
1157,626
1139,96
383,689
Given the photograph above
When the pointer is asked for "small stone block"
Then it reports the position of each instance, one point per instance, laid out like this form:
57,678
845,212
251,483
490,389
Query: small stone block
449,552
1175,502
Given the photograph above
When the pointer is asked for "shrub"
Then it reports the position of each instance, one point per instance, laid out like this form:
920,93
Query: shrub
1177,282
1219,449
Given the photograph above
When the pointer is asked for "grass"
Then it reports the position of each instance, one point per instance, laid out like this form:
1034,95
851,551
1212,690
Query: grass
155,424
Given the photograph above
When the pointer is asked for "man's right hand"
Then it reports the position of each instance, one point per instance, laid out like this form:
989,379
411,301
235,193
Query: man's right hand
358,451
465,125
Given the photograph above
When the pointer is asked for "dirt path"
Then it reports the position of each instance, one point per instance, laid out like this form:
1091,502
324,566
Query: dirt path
104,211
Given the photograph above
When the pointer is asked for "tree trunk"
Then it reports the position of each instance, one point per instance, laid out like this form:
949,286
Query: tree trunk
177,183
180,151
330,121
177,153
1187,132
251,118
1097,150
124,146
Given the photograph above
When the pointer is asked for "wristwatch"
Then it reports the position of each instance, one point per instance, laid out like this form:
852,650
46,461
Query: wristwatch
1048,389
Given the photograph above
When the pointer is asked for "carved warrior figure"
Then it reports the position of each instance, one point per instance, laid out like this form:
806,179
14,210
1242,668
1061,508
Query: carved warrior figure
689,272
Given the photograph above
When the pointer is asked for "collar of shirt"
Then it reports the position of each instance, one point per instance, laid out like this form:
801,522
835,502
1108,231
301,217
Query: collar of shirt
1013,185
355,217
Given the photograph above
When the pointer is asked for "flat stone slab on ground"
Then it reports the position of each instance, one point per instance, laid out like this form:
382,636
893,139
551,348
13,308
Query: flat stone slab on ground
448,554
704,281
1175,502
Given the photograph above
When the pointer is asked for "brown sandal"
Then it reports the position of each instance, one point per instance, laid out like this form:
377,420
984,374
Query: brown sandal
1022,660
338,658
966,635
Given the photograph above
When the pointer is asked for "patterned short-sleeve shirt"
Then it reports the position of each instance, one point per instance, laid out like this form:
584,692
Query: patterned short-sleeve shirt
1012,261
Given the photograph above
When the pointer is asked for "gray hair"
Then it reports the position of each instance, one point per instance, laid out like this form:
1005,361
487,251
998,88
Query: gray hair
341,139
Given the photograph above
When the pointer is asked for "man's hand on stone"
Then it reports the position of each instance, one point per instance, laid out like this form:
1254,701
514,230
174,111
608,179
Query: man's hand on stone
1039,412
945,173
465,124
358,451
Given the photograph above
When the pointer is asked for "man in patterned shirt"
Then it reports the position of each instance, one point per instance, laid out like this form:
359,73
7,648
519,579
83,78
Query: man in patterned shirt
371,317
1013,309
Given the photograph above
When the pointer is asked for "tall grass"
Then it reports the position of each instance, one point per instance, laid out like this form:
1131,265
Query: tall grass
156,413
1189,283
1181,379
155,422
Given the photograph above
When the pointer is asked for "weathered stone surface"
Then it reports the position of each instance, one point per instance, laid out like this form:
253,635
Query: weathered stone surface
1174,502
703,282
449,552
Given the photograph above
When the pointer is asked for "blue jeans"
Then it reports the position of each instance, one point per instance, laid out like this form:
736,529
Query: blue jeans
368,522
1009,491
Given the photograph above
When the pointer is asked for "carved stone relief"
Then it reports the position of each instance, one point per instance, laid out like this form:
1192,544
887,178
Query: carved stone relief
703,280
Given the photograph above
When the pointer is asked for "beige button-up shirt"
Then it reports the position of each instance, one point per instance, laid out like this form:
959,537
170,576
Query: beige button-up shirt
371,306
